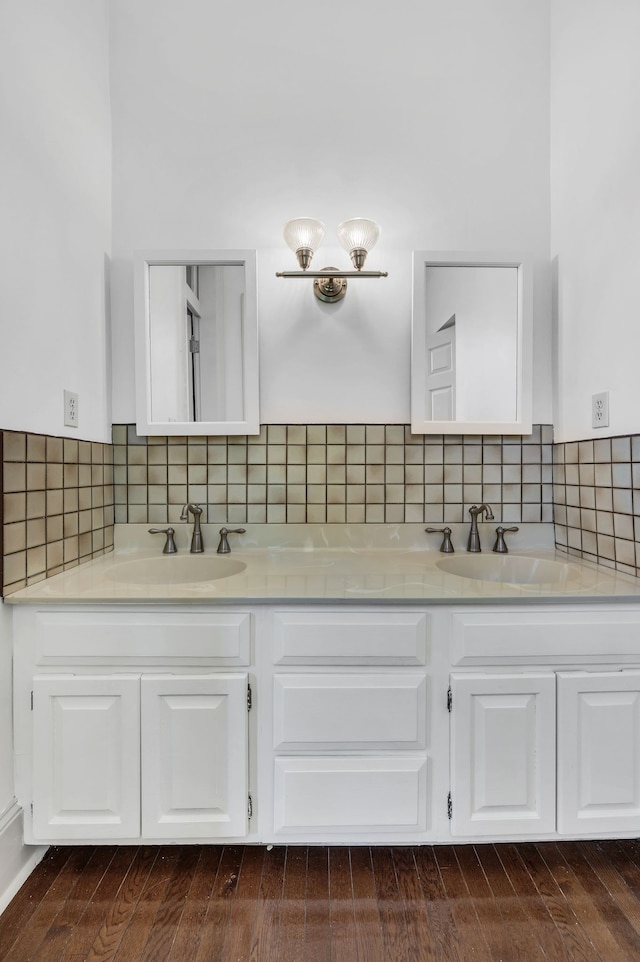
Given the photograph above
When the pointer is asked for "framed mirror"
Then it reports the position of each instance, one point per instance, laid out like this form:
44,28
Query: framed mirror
471,344
196,342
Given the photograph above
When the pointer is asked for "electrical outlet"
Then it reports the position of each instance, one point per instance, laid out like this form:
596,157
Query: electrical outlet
600,410
70,409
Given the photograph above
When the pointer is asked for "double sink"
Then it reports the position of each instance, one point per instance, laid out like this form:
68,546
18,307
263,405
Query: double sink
199,568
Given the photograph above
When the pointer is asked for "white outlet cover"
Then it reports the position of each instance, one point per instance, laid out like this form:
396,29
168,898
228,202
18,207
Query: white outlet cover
70,409
600,410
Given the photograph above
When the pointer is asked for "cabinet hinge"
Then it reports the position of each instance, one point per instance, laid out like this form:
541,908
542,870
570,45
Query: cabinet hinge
194,345
449,699
249,698
31,701
449,806
32,809
250,807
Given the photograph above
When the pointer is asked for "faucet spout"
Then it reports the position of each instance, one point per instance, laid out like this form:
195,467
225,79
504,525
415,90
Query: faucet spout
473,544
197,546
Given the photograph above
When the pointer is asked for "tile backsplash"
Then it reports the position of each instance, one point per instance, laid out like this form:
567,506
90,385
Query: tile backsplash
61,496
596,496
57,505
332,473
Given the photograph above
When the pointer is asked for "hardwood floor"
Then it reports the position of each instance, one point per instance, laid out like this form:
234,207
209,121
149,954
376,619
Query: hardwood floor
484,903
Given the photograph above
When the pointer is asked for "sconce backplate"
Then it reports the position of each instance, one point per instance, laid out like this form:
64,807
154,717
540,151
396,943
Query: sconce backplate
330,289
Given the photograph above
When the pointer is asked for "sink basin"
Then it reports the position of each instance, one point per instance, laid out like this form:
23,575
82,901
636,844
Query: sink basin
174,569
509,569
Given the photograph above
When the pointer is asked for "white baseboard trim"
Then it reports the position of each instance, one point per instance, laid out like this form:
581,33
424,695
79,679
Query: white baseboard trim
17,860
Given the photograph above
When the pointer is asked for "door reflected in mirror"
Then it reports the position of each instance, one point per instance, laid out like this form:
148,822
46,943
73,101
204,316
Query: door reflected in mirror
196,344
471,344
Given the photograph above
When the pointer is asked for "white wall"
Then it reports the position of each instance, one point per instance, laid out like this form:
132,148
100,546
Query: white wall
595,203
6,716
54,236
432,118
55,226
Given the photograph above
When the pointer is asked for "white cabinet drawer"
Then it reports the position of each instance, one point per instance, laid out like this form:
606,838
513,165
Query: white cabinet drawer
542,636
332,795
143,636
349,711
350,637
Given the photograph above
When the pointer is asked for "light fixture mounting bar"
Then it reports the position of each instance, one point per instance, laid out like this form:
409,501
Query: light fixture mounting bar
331,273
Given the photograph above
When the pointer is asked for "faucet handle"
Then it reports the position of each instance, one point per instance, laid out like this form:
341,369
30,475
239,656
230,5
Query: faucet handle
169,545
501,546
223,547
446,547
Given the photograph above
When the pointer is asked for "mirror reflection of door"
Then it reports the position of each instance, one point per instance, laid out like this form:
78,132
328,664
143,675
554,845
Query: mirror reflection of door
196,342
441,372
478,353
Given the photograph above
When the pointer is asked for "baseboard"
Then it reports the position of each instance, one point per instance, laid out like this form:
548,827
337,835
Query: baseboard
17,860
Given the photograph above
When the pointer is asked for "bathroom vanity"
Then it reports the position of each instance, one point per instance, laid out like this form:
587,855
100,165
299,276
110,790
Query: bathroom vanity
329,695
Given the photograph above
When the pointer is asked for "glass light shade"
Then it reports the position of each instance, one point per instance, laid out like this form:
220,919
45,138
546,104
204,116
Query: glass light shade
304,233
358,234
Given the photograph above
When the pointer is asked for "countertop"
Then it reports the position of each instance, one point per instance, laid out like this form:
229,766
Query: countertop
393,565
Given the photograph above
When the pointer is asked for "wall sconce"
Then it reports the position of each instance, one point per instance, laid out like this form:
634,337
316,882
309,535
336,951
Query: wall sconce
304,235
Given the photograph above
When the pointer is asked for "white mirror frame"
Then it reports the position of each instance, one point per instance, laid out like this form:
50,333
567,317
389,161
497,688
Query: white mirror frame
143,260
523,421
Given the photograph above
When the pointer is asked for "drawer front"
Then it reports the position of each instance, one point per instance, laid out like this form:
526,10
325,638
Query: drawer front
349,712
143,636
350,637
350,795
576,635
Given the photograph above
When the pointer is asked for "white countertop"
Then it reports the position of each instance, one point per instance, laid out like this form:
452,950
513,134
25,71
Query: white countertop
321,564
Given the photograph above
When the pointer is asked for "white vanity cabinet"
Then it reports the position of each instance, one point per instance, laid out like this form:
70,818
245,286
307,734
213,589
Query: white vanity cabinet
545,722
351,723
132,722
599,752
134,729
503,753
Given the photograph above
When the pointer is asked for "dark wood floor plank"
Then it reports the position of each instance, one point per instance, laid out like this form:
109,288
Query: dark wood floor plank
390,906
137,932
237,914
601,862
341,910
119,915
472,936
443,926
585,908
521,936
169,913
574,938
532,903
266,926
420,939
318,930
368,926
486,907
294,913
187,940
53,923
603,901
91,916
216,922
18,913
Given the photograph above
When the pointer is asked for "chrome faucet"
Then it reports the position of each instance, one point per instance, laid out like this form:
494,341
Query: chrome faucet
197,546
473,544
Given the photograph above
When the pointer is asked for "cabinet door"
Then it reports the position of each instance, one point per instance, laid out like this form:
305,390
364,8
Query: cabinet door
598,752
503,754
194,756
86,757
